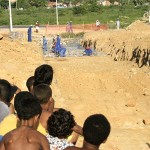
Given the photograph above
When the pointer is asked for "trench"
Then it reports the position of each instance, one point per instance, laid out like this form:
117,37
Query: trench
74,48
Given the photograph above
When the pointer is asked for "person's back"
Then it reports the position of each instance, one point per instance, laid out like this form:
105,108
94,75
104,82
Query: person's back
44,95
23,138
26,137
96,130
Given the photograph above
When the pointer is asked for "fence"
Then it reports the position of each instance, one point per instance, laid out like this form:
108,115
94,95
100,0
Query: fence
82,27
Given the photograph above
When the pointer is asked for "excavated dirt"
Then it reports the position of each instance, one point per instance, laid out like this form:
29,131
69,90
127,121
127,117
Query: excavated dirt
131,44
87,85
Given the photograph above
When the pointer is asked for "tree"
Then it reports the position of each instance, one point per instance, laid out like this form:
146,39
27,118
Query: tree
28,3
38,3
4,3
23,4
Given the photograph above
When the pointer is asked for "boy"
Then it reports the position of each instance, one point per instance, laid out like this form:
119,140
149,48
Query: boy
7,92
59,126
26,137
43,93
10,122
96,130
29,83
43,74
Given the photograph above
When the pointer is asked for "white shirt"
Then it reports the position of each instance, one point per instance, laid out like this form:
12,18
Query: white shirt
58,144
97,23
4,110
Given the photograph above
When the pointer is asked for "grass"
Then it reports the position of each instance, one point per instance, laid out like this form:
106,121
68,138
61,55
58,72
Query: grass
126,13
72,35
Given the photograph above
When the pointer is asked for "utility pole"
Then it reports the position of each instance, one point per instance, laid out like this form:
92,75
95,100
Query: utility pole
57,14
10,16
16,4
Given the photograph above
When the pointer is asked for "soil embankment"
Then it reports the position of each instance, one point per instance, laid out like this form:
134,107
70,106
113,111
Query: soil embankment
131,44
87,85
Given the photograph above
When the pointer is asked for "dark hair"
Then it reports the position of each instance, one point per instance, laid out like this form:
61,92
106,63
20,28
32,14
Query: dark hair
5,91
26,105
43,74
30,82
96,129
21,95
60,123
42,92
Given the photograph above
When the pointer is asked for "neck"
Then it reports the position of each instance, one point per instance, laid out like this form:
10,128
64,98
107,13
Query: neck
44,107
27,123
89,146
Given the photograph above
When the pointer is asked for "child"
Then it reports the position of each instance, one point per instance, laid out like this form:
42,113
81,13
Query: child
43,93
43,74
7,92
59,126
10,122
96,130
29,83
26,137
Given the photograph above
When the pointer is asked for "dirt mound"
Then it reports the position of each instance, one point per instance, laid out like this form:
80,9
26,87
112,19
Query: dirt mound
139,26
133,44
118,89
18,60
1,37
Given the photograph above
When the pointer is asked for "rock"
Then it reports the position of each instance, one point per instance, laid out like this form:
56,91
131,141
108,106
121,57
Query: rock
146,121
131,103
1,37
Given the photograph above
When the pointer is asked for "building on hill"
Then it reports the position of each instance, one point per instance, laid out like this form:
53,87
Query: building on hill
59,5
104,2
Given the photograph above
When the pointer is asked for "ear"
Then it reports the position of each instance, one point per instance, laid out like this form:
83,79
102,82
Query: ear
37,116
50,99
104,141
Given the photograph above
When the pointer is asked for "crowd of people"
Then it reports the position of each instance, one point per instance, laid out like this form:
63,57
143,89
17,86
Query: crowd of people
32,122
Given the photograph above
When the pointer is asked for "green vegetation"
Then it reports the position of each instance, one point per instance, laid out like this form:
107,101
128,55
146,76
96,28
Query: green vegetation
72,35
78,15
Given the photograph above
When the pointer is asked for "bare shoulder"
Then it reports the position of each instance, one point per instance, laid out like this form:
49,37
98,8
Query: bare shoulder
24,136
44,117
35,134
30,134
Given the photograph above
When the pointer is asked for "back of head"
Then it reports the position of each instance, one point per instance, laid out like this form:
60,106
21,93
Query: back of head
5,91
30,82
27,106
43,93
96,129
60,123
43,74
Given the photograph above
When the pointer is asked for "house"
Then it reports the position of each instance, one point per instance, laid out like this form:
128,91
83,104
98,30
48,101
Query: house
104,3
59,5
116,3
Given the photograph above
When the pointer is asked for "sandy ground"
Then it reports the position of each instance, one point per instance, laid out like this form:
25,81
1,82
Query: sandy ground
88,85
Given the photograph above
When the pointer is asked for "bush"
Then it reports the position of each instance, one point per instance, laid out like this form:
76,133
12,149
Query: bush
72,35
79,10
4,21
1,11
